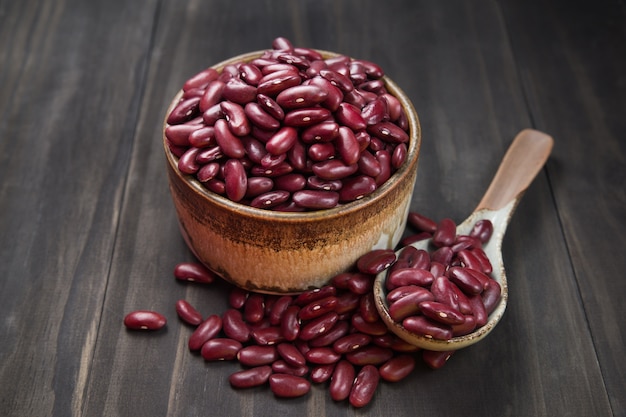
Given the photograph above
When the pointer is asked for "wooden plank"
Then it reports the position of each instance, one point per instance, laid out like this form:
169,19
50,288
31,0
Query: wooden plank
575,87
454,60
72,74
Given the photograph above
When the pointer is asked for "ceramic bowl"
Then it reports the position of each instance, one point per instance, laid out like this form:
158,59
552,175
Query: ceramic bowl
284,252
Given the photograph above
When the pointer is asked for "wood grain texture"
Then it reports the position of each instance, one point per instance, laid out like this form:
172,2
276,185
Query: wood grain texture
88,231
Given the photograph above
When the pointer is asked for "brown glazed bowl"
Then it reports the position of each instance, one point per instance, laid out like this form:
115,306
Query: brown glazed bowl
284,252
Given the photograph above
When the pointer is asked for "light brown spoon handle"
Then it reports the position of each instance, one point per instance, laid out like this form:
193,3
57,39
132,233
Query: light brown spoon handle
527,154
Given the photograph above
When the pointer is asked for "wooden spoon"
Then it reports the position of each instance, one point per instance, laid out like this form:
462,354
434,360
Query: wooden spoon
521,164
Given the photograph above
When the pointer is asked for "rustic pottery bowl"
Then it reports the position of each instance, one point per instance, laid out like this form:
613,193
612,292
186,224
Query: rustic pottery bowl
280,252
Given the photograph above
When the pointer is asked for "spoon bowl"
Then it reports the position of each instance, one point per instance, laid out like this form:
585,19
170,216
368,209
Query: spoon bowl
521,164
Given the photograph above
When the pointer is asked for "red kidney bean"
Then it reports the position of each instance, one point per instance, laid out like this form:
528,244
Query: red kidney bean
271,160
290,323
445,234
276,82
321,151
254,309
335,95
269,335
193,271
179,134
469,260
482,230
321,132
360,283
465,280
230,144
305,117
212,114
369,355
373,329
400,292
355,188
322,373
337,79
384,159
316,199
203,137
282,43
427,327
364,386
220,349
491,295
398,345
440,312
334,169
215,185
376,261
367,308
261,118
317,183
342,380
388,132
212,95
184,111
290,182
282,140
278,308
144,320
322,355
236,118
206,155
351,342
350,116
289,386
408,304
410,276
435,359
238,91
235,179
201,79
187,163
374,112
338,330
234,326
208,329
301,96
317,308
282,367
468,326
291,354
442,290
270,106
479,310
252,377
376,86
347,146
368,164
485,263
237,297
318,326
258,186
251,74
397,368
347,302
188,313
462,301
275,171
270,199
443,255
399,155
255,355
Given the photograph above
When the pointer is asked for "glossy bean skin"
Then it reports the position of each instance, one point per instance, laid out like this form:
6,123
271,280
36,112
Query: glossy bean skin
445,233
188,313
289,386
144,320
254,308
290,323
278,308
234,326
282,140
369,355
235,179
421,222
230,144
269,335
290,182
236,118
301,96
322,356
408,304
436,360
442,313
201,79
316,199
184,111
252,377
388,132
260,117
342,380
208,329
465,280
491,295
254,355
270,199
193,271
410,276
282,367
317,308
338,330
482,230
351,342
356,188
428,328
318,326
187,163
333,169
290,354
377,328
321,132
220,349
376,261
238,91
397,368
364,387
350,116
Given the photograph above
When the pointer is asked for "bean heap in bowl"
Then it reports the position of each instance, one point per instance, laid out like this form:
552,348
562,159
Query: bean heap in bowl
292,129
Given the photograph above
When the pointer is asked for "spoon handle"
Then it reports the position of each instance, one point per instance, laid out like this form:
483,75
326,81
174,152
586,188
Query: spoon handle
522,162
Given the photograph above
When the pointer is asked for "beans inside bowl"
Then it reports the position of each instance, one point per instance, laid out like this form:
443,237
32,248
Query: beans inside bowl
275,155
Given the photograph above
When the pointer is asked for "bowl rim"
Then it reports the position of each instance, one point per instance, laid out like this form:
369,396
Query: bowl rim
413,150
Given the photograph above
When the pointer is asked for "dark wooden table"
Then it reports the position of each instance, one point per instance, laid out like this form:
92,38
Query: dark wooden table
88,231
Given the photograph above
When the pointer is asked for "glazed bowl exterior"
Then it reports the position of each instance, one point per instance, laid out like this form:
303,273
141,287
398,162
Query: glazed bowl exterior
285,252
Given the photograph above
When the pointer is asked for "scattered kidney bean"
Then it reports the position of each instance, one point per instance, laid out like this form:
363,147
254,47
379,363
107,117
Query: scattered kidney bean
188,313
397,368
289,386
220,349
145,320
208,329
342,380
364,386
193,271
253,377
